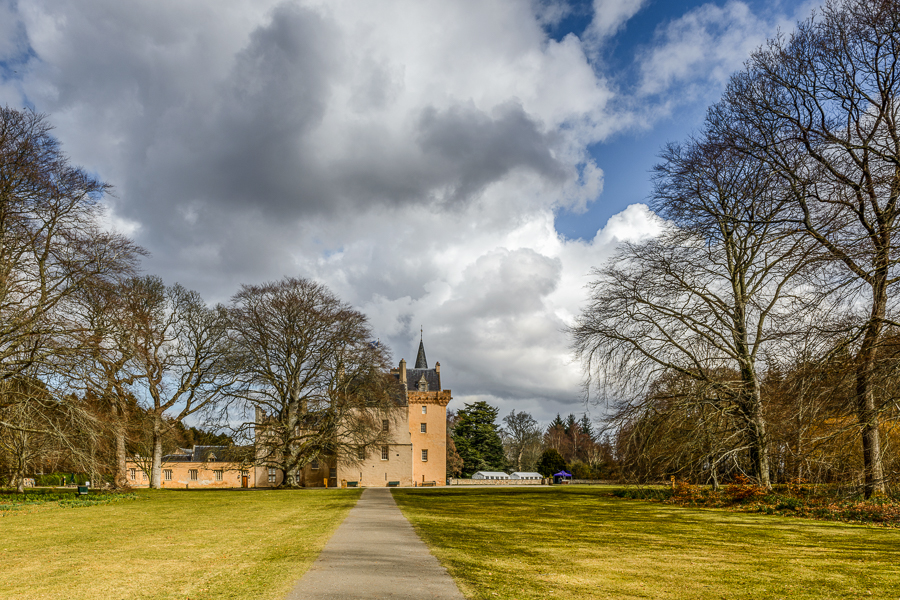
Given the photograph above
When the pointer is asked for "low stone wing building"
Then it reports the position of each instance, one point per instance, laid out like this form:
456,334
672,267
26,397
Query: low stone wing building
197,467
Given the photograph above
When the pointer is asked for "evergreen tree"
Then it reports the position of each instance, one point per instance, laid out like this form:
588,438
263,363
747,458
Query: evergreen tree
477,439
570,424
557,422
550,462
587,428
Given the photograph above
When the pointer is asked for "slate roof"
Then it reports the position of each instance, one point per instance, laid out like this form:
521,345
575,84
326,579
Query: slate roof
202,454
431,376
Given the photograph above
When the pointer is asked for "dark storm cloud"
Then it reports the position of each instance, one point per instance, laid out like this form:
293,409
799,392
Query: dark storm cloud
476,149
244,146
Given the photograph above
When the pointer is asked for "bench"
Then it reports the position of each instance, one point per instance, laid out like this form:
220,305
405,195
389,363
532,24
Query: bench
393,483
82,490
352,483
428,483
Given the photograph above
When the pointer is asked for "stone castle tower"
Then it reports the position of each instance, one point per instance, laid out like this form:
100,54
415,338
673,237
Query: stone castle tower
426,403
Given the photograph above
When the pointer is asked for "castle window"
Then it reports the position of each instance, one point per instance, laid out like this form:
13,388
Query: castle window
361,453
422,385
167,474
219,474
133,474
424,410
424,455
314,465
384,425
423,428
272,475
384,452
193,474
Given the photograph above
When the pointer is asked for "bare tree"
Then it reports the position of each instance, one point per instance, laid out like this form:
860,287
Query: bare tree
522,437
703,299
51,248
181,353
104,369
314,377
51,244
820,108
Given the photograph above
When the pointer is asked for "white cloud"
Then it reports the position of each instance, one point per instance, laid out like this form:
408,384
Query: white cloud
610,16
692,57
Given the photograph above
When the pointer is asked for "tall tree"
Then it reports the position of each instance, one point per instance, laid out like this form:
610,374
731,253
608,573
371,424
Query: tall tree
52,247
182,355
477,438
521,439
104,368
820,108
705,297
312,375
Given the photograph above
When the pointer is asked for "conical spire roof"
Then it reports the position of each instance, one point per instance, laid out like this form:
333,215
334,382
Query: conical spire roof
421,362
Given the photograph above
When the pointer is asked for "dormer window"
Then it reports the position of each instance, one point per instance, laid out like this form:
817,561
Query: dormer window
422,386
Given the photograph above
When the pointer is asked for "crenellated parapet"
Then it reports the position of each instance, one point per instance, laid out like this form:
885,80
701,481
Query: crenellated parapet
439,397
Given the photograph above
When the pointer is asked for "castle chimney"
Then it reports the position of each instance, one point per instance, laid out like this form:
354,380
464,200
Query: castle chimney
437,367
403,371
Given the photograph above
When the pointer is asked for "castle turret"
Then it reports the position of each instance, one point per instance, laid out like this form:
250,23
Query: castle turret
421,362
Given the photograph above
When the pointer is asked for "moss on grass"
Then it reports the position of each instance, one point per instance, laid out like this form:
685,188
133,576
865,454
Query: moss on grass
201,545
580,542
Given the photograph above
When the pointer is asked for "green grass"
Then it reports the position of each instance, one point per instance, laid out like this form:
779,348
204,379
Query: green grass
197,545
579,542
34,498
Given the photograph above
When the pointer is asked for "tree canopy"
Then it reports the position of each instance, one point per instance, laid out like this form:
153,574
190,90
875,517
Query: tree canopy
477,438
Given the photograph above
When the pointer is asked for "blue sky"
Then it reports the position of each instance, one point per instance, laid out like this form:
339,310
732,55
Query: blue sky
628,157
456,165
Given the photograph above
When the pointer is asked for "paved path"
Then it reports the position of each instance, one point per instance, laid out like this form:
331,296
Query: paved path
375,553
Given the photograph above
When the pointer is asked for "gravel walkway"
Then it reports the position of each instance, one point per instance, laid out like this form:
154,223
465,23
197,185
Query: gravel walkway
375,553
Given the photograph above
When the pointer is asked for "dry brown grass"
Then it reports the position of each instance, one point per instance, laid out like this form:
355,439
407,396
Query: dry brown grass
197,545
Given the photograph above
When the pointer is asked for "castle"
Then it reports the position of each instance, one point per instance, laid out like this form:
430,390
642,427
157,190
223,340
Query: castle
416,427
415,452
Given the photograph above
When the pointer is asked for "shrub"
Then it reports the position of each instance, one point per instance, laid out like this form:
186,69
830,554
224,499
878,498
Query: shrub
686,493
742,489
582,471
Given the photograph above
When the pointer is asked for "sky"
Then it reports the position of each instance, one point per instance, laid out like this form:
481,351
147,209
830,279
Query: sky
455,168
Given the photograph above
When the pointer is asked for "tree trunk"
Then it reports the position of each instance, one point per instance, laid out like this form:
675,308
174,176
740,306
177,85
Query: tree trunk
156,467
759,439
750,396
868,419
20,462
121,478
865,394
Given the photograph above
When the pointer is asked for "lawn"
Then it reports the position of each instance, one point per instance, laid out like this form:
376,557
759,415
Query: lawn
197,545
578,542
